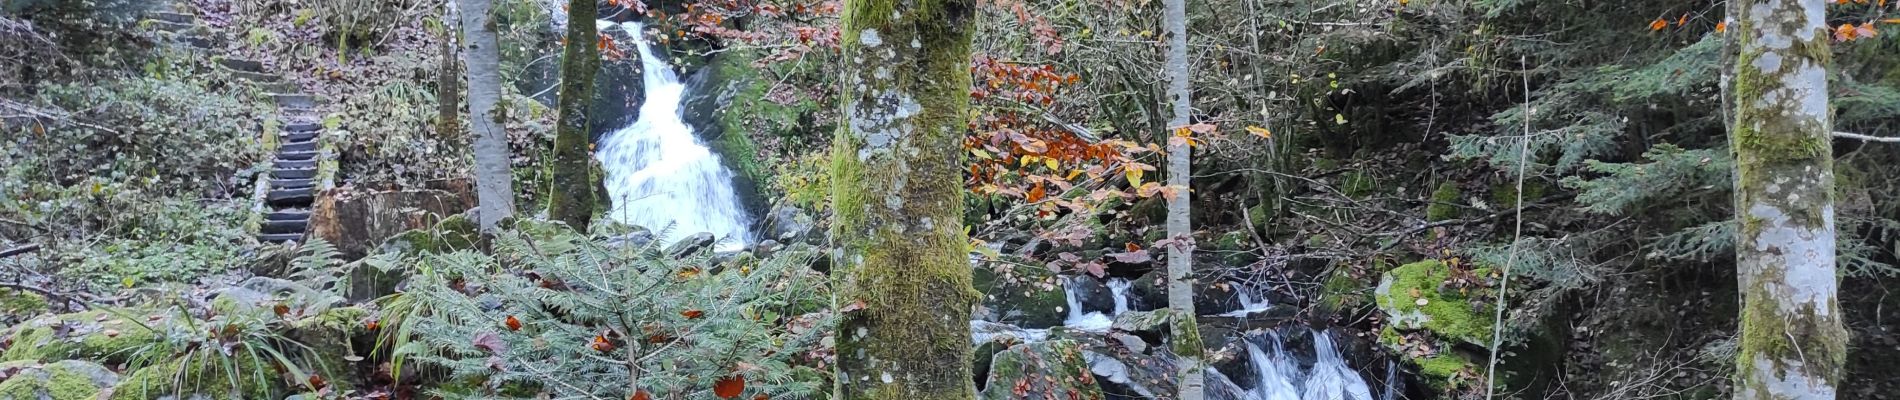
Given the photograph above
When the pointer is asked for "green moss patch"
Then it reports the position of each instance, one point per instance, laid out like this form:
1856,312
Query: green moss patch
1413,298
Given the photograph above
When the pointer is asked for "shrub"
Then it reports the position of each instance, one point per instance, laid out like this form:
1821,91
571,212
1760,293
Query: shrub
565,309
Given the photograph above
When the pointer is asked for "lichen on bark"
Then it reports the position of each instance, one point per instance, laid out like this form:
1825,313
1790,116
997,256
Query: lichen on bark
903,283
1793,344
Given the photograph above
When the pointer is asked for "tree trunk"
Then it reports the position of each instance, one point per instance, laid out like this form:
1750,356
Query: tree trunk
1793,345
571,196
1185,334
493,178
903,280
447,93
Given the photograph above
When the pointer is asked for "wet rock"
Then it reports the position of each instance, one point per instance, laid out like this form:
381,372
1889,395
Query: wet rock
1054,369
789,224
691,245
618,87
68,379
1027,297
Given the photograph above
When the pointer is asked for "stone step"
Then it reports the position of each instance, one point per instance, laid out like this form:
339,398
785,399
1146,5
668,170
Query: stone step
288,226
293,137
254,76
297,156
291,183
295,165
176,18
280,237
291,197
290,173
303,127
288,214
295,100
299,146
200,42
239,64
283,87
168,26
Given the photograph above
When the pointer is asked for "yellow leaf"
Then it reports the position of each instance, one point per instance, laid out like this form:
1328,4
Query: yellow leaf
1339,119
1259,131
1024,162
1052,163
1134,175
980,154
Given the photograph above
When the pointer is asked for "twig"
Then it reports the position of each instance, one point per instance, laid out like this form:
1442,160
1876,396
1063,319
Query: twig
1867,138
1497,321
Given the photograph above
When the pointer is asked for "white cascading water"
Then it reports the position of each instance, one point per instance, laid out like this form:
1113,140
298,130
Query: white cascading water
659,175
1280,377
1095,321
1248,304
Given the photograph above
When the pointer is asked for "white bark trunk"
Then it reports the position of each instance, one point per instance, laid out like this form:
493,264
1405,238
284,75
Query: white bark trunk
1793,344
1186,335
493,178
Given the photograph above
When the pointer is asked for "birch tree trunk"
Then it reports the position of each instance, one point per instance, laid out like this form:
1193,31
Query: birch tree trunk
1185,334
493,179
1793,345
903,280
571,194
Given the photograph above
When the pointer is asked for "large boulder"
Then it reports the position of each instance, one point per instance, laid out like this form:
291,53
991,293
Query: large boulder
91,335
63,380
1046,370
356,221
200,378
1023,296
1420,296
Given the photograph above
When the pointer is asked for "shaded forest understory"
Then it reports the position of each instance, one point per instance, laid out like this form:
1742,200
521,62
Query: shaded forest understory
269,199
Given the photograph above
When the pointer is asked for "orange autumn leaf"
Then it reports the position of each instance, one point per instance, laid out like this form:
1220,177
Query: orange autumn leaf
729,387
641,395
1721,27
1259,131
692,314
317,382
513,324
1658,24
1037,194
1132,247
1683,20
1866,31
601,344
372,325
281,309
1844,33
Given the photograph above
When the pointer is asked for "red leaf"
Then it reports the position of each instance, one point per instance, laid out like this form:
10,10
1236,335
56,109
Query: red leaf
729,387
513,324
641,395
601,344
692,314
490,342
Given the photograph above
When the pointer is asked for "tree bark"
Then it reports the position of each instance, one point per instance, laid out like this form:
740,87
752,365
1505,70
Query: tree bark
1185,334
571,195
903,281
448,100
1793,345
494,179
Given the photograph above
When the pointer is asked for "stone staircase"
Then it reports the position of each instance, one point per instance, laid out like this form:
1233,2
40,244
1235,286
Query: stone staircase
298,169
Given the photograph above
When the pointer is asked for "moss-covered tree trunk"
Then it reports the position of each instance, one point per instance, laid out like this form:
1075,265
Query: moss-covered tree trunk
571,194
903,280
494,180
1793,345
1185,334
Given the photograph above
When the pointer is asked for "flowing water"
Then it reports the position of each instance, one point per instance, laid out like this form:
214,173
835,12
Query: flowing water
1280,377
1099,320
659,174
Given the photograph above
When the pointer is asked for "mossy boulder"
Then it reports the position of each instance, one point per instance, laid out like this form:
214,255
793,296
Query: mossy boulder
91,335
331,339
1054,369
206,378
1414,297
64,380
18,303
1026,297
1445,201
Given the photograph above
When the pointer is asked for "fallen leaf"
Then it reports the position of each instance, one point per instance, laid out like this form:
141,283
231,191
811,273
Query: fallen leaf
729,387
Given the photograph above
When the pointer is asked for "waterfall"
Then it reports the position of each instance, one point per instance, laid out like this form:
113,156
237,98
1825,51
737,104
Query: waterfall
659,174
1248,304
1095,321
1392,384
1280,377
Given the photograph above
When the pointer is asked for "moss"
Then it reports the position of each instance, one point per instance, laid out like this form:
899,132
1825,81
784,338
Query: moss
21,303
1187,338
329,338
1358,184
1053,369
1447,313
200,376
1340,293
93,335
59,381
1441,371
1018,303
1444,204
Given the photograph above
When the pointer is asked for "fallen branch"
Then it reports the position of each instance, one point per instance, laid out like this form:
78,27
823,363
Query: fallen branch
19,250
1867,138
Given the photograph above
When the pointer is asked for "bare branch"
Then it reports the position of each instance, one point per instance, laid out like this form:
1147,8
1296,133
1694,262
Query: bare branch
1867,138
